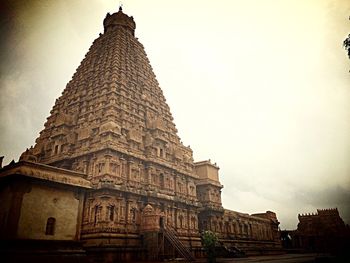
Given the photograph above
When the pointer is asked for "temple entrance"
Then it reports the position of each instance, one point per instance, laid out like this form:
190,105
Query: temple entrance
161,222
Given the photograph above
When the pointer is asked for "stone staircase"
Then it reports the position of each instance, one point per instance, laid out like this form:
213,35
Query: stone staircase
171,235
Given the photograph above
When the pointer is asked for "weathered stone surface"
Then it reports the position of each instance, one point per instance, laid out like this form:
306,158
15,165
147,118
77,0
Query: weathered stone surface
56,203
111,135
323,231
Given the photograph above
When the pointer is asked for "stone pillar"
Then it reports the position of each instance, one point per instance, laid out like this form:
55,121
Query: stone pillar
79,196
176,186
148,172
127,211
139,170
188,221
86,166
187,186
123,168
128,174
107,164
175,215
150,229
91,173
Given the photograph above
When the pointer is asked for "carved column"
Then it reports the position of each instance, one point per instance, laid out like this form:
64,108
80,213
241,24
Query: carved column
86,166
92,168
175,212
176,186
79,196
123,167
187,191
107,164
188,221
148,174
119,167
150,230
140,172
128,174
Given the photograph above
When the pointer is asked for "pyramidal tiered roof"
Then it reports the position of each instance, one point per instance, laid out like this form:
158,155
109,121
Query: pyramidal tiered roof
113,105
128,173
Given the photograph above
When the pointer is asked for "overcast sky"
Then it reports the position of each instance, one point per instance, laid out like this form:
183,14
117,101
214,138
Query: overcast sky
261,87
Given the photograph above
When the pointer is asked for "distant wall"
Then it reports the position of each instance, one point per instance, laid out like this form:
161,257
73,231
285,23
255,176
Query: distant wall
5,207
43,202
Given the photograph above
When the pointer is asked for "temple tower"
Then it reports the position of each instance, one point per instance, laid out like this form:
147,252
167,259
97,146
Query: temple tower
110,165
113,107
112,123
209,194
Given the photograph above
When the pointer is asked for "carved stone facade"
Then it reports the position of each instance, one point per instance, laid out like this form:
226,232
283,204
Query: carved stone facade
323,231
111,135
257,233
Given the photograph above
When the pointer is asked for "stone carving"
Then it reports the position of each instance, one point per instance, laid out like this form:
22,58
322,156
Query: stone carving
29,155
47,173
83,134
150,219
135,135
113,133
110,127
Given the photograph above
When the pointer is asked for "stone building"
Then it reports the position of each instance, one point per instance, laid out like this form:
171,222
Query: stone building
323,231
109,177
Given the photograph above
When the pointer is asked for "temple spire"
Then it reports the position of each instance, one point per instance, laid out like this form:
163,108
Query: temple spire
119,19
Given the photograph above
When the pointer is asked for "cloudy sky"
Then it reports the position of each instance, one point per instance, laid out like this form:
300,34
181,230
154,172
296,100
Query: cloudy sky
259,86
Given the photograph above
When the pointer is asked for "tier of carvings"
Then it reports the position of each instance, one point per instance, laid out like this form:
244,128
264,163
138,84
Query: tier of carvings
113,129
112,102
234,225
118,212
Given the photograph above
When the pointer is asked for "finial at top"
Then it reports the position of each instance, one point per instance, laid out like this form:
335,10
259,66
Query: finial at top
119,19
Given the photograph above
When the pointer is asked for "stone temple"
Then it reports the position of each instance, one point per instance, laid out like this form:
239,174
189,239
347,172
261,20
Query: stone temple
109,178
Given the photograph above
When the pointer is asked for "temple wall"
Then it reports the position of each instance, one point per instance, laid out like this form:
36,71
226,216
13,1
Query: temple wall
5,206
112,167
42,203
113,131
233,225
254,235
239,225
113,212
117,212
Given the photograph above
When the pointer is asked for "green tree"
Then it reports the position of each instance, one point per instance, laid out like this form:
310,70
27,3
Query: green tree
209,242
346,45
